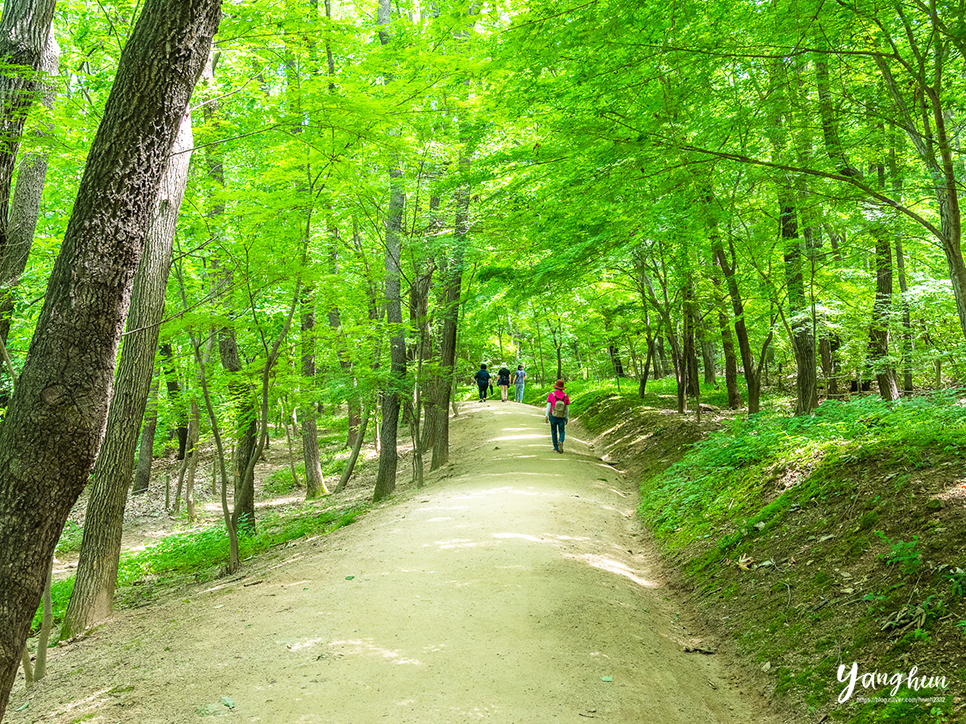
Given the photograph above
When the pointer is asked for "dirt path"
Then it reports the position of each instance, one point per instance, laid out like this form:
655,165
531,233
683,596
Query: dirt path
514,587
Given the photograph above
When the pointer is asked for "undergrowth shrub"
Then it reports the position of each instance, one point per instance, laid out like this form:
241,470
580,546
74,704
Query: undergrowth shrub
733,474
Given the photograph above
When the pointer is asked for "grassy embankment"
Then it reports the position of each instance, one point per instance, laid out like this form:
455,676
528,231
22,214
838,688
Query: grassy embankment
816,541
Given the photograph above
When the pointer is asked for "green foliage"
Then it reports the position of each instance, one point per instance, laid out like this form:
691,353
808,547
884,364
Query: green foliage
957,581
280,482
202,554
70,538
903,554
726,475
60,596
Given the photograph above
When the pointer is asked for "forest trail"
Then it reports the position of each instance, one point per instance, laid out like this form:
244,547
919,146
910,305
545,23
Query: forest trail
514,587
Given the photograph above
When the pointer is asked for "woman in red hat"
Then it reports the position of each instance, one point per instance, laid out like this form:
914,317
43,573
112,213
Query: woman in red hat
558,409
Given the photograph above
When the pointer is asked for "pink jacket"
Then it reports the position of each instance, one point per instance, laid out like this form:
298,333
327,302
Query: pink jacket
553,397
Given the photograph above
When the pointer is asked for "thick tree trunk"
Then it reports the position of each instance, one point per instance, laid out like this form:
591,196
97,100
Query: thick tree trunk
92,599
55,422
25,208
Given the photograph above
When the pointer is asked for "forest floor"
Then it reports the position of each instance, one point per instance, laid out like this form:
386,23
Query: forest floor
516,586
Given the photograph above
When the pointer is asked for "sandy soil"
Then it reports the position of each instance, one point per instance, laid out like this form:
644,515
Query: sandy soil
515,587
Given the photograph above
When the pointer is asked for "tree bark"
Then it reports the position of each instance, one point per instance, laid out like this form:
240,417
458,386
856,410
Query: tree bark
803,341
56,418
389,454
174,396
314,482
142,471
92,599
881,309
452,291
934,146
25,208
24,32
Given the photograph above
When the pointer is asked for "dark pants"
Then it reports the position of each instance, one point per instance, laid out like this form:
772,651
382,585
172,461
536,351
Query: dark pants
483,389
557,424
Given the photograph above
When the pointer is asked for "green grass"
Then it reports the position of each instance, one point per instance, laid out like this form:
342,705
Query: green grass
201,555
70,539
724,476
733,492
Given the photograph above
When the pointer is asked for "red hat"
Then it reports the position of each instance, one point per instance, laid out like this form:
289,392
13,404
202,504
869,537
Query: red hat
558,385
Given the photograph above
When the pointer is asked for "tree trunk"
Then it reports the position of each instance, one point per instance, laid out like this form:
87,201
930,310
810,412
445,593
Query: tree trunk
56,418
25,208
92,599
314,482
389,454
693,385
708,358
543,372
752,372
908,340
935,148
662,357
174,396
881,310
354,456
828,346
803,341
193,435
452,290
142,472
24,32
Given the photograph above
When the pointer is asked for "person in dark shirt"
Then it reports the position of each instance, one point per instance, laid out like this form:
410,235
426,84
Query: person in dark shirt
503,380
482,378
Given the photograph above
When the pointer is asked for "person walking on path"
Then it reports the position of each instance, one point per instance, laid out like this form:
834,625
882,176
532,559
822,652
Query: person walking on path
503,380
482,378
558,409
519,378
